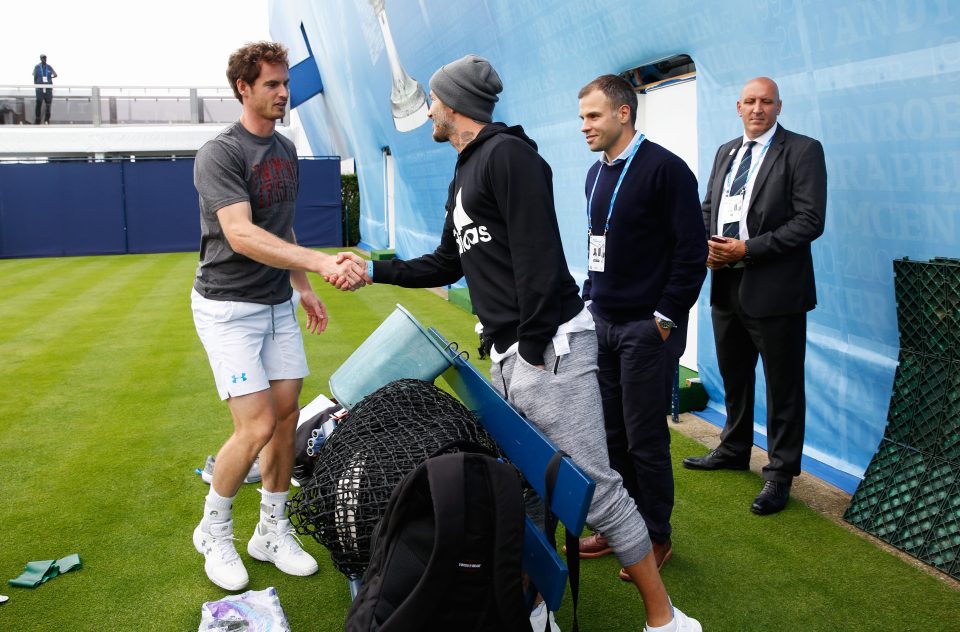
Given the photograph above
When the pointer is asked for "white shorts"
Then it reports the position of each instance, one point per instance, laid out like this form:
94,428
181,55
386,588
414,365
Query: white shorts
249,344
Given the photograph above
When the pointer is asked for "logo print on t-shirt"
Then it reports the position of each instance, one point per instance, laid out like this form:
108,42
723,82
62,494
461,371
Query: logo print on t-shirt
274,181
466,237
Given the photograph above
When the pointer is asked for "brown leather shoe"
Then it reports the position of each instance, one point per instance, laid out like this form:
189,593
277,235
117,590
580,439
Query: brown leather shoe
661,554
592,546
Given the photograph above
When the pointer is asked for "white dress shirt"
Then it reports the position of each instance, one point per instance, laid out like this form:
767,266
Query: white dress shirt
759,152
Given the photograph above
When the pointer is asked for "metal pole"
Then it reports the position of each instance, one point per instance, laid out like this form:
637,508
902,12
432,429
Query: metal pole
355,583
95,105
194,107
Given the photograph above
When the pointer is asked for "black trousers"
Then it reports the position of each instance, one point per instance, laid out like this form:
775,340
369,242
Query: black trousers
780,341
44,95
636,371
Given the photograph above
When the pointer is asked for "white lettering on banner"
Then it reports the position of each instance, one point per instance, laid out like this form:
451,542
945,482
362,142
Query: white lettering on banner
926,171
874,309
846,24
931,223
861,263
937,118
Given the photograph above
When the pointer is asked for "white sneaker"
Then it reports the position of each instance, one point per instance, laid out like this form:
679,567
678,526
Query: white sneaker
539,618
206,474
221,561
282,547
684,623
253,476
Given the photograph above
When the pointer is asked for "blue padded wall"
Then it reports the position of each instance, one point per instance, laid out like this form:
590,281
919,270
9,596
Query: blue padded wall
319,215
82,208
878,83
60,209
163,209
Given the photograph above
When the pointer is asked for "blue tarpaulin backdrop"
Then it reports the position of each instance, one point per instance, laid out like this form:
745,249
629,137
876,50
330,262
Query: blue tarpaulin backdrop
877,82
85,208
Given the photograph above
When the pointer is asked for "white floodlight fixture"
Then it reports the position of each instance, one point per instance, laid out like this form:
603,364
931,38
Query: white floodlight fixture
408,101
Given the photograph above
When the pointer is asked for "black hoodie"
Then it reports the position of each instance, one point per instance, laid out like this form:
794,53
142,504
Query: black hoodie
500,233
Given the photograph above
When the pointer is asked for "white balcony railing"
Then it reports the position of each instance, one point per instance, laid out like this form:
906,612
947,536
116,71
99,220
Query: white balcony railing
103,105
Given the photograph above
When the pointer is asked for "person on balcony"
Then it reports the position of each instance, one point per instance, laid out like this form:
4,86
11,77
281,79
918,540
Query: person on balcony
43,74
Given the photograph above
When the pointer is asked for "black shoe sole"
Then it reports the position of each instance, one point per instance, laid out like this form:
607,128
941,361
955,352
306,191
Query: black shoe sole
696,466
758,511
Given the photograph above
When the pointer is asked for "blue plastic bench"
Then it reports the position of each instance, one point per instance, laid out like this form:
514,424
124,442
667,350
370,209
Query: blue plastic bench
529,450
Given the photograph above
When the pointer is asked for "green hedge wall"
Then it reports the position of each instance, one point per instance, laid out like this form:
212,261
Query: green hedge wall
350,194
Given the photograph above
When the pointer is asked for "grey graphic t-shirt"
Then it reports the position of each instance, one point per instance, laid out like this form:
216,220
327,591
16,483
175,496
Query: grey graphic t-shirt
239,166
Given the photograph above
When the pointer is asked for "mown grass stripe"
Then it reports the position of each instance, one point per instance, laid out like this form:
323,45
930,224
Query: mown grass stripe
109,420
40,297
83,297
49,359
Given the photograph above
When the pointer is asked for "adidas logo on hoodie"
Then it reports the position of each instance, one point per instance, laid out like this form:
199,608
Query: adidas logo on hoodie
466,237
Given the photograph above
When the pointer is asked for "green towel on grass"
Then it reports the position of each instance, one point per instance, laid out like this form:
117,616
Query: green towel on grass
39,572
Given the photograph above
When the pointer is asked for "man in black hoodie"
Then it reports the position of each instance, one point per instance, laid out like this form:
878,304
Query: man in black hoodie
501,233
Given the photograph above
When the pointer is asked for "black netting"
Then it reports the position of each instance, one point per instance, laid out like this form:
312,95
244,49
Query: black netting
387,435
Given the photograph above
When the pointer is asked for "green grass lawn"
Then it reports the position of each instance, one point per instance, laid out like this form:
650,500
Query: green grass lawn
107,405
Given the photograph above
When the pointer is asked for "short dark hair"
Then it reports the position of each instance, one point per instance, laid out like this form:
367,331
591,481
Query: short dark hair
245,62
617,90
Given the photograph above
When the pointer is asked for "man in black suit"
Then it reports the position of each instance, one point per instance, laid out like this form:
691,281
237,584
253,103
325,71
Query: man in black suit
765,203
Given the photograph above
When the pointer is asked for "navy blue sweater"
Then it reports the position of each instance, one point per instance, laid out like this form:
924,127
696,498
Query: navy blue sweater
656,246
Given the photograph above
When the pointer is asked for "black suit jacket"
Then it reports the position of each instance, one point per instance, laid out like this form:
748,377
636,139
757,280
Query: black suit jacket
787,211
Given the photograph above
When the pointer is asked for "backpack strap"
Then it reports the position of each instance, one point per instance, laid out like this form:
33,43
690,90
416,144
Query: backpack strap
362,614
463,445
446,479
506,491
572,540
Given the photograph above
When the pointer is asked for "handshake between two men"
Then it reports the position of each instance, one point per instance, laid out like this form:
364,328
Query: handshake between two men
345,271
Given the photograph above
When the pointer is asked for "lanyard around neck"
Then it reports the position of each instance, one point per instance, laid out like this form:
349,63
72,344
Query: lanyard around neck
616,190
753,166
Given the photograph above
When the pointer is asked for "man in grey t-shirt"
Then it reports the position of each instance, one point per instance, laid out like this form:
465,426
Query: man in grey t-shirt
244,309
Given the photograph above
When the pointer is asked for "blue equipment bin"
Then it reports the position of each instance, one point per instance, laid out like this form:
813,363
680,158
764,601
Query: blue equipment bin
399,348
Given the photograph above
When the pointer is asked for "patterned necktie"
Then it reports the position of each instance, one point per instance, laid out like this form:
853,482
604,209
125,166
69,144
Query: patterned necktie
732,229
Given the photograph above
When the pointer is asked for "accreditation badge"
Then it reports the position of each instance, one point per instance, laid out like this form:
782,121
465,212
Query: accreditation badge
598,253
731,208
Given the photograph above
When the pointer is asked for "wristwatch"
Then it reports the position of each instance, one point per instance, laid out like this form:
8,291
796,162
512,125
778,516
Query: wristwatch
663,323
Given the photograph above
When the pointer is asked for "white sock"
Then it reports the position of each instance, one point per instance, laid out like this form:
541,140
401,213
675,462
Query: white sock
217,508
273,507
670,627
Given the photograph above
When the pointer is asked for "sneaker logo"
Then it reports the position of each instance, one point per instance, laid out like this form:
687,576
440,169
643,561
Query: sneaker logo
214,512
238,378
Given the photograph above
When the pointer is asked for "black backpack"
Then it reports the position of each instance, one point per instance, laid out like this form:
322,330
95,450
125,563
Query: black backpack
447,553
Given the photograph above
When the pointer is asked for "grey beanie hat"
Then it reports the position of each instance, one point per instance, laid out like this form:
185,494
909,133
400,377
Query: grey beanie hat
469,85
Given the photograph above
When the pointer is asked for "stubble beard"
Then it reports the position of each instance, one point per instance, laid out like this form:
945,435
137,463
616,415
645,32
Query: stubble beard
442,131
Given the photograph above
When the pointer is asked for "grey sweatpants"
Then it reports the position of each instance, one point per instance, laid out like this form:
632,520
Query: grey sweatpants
565,405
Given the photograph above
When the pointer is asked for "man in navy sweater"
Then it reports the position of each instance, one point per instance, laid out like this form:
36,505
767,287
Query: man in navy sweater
647,261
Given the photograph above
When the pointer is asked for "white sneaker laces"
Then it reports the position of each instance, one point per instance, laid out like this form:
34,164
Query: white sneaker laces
224,546
290,541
